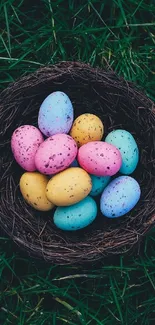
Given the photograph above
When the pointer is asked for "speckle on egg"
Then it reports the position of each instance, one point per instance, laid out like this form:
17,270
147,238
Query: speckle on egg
119,197
77,216
25,142
33,188
87,128
98,158
98,184
55,154
126,143
69,186
55,114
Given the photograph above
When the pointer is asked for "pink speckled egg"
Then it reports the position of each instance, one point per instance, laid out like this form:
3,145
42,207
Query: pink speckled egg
55,154
25,142
100,158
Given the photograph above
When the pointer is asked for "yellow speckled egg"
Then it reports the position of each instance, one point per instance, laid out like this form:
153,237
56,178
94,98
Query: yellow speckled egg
33,188
69,186
87,128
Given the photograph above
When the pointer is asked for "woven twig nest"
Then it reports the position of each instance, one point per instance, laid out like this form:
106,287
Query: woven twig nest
120,105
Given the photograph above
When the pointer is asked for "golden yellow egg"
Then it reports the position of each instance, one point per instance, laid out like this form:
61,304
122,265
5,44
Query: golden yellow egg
69,186
33,188
87,128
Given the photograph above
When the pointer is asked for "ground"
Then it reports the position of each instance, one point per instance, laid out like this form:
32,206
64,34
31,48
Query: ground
119,34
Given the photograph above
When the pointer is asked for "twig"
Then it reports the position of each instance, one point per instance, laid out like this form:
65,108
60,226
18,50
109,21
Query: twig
69,307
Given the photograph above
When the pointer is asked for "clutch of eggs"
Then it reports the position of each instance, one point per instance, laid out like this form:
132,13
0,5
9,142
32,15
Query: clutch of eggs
67,162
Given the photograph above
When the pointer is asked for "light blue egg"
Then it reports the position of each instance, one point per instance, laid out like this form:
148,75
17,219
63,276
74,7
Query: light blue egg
74,163
119,197
55,114
98,184
125,142
77,216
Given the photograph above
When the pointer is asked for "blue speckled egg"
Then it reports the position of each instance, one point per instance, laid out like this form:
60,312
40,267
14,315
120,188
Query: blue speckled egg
98,184
119,197
74,163
77,216
55,114
125,142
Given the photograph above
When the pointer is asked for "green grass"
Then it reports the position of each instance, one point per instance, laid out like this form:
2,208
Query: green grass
120,34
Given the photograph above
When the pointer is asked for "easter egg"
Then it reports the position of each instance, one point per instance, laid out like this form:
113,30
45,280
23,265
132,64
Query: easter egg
87,128
76,216
74,163
125,142
98,184
55,154
69,187
25,142
120,197
55,114
100,158
33,188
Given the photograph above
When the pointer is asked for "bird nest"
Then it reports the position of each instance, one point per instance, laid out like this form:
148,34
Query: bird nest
119,104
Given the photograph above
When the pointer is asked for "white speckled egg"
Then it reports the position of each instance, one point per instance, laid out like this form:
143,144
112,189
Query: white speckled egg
119,197
76,216
25,142
125,142
55,114
98,184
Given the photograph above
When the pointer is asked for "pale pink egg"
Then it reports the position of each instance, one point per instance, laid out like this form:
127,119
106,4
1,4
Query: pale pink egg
25,142
100,158
55,154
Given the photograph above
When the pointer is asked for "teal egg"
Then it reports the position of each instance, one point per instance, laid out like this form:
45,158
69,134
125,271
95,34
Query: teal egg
98,184
74,163
77,216
125,142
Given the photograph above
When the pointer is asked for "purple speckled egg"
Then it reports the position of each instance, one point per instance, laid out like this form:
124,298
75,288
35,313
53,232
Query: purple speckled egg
55,114
55,154
99,158
119,197
25,142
